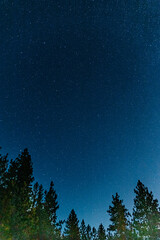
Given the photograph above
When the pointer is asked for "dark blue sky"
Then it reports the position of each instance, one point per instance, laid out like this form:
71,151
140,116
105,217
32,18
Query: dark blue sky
80,87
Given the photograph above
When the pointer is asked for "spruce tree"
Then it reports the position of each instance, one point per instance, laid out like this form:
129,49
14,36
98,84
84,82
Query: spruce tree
51,206
4,198
146,216
20,178
119,218
101,232
41,227
89,232
34,218
94,233
40,212
71,230
25,212
83,231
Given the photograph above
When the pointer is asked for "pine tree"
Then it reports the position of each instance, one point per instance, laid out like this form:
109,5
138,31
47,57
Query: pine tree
40,212
101,232
34,218
4,198
146,216
89,232
94,233
25,212
19,188
71,230
40,227
83,231
51,206
119,218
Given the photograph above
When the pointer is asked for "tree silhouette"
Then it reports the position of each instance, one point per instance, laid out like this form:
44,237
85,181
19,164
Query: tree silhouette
71,231
28,212
19,191
101,232
83,231
94,233
4,197
89,232
51,206
146,216
119,218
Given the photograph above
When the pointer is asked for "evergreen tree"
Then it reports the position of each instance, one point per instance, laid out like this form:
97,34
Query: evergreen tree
71,230
146,216
89,232
101,232
51,206
26,213
4,198
83,231
34,218
42,224
94,233
19,189
40,213
24,190
119,218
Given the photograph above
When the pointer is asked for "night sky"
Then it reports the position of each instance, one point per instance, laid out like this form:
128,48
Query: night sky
80,88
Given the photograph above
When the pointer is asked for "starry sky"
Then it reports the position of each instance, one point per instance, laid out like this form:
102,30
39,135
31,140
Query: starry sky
80,88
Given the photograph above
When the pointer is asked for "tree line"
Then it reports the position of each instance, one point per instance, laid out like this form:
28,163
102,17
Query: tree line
28,212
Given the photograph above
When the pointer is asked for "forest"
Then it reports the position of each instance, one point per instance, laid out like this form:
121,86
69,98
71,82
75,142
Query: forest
29,212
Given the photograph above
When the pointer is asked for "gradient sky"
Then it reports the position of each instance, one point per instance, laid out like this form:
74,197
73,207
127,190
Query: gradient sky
80,88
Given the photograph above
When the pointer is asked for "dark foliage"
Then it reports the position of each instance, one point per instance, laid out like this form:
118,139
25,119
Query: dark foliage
83,231
101,232
28,212
146,216
119,218
71,231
